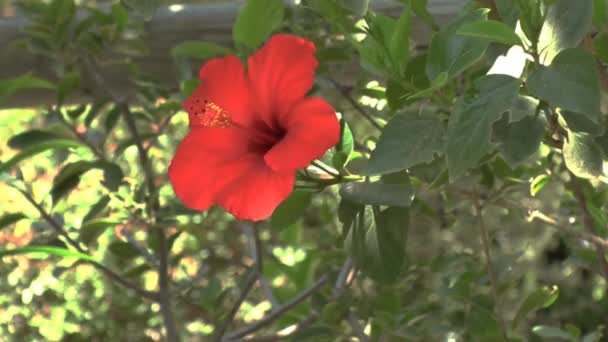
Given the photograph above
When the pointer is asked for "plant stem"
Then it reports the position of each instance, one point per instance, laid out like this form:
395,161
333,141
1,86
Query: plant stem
163,285
485,240
346,94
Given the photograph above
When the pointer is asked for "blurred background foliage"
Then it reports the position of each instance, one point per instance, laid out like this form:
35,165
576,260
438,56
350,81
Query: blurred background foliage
83,190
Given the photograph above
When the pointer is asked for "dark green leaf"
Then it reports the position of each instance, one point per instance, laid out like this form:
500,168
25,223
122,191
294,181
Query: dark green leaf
290,210
524,106
385,245
565,26
453,53
482,324
69,84
9,219
199,49
95,109
583,156
33,150
123,250
68,178
399,44
97,208
46,251
491,30
256,21
600,14
10,86
470,125
539,299
571,82
344,148
600,45
518,140
92,229
112,118
420,8
407,140
32,138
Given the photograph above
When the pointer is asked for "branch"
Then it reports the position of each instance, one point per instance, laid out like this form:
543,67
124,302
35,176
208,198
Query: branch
346,94
163,285
105,270
254,247
235,336
490,266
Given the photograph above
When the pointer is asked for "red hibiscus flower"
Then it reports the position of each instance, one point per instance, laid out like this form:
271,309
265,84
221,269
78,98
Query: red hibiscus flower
250,130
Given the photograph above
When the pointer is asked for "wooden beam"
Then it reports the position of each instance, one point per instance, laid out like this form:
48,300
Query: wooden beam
170,26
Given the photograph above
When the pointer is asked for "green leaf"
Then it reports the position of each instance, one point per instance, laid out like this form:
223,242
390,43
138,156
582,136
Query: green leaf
482,324
538,183
345,148
92,229
47,250
95,110
385,245
551,332
399,45
143,8
600,45
68,178
34,150
491,30
290,210
436,84
395,195
69,84
583,156
407,140
453,53
256,21
571,82
10,86
420,8
199,49
542,298
565,26
600,14
9,219
470,125
31,138
524,106
123,250
97,208
518,141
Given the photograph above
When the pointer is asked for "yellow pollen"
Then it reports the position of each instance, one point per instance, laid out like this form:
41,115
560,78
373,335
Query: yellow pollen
211,115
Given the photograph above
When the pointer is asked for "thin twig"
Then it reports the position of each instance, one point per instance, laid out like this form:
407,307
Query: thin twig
490,266
164,291
99,154
279,312
346,94
254,247
108,272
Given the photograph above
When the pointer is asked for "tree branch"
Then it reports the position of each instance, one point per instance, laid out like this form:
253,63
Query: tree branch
235,336
163,285
105,270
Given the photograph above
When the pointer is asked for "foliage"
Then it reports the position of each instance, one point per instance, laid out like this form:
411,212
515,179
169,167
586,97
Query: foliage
465,201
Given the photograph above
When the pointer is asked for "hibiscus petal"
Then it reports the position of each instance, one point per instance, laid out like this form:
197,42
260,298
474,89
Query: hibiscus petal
281,73
257,194
206,161
224,85
312,128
